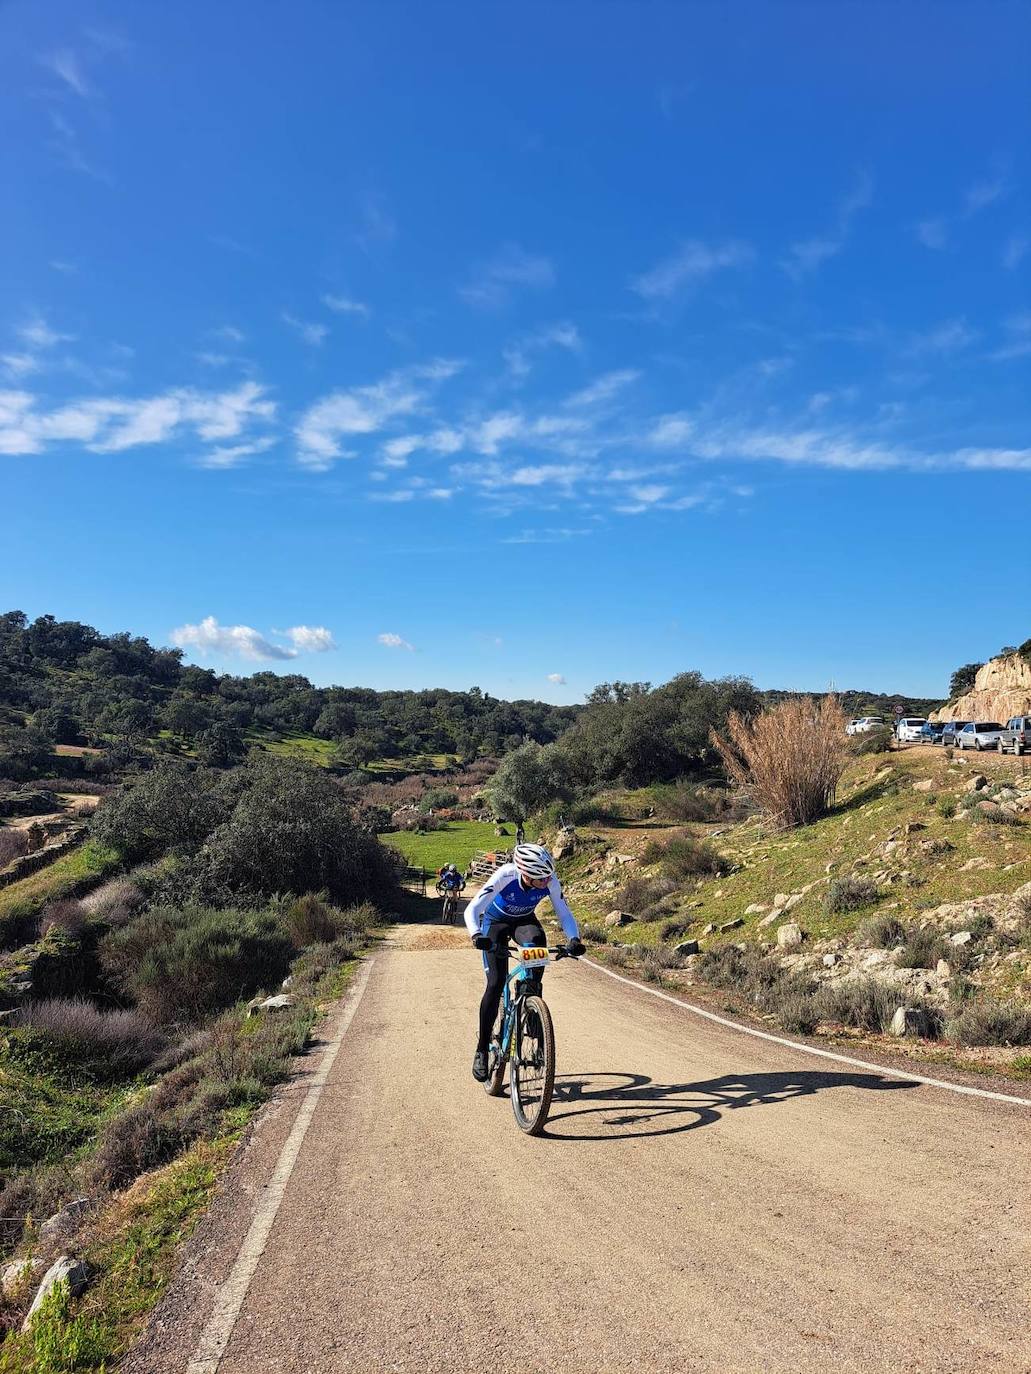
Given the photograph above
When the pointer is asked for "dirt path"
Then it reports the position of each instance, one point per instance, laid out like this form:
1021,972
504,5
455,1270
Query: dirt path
702,1201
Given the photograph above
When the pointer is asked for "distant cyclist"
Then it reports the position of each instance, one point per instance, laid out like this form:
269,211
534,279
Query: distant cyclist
449,879
505,909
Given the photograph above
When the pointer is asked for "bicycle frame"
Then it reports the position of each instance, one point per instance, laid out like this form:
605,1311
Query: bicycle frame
514,989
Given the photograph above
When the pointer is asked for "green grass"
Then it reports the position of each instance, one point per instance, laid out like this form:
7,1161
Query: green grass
455,845
72,872
296,745
135,1254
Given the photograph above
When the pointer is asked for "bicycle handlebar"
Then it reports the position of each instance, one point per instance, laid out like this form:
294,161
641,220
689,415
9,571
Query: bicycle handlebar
559,951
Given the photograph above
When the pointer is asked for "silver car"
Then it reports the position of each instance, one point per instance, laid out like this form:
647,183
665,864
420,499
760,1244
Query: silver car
979,734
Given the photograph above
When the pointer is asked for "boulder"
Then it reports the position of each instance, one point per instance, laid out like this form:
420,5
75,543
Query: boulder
281,1002
924,785
710,929
686,947
755,909
76,1273
14,1275
962,937
978,861
619,918
976,783
735,924
829,960
991,810
910,1021
789,935
792,901
64,1222
769,920
943,968
781,899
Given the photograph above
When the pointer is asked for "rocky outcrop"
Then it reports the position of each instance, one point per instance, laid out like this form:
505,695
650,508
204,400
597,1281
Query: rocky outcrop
1001,689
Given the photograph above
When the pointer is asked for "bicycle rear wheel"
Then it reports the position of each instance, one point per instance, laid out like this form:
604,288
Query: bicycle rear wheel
533,1065
495,1084
445,915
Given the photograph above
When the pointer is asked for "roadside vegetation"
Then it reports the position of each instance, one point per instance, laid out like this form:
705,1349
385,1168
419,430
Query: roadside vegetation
135,1039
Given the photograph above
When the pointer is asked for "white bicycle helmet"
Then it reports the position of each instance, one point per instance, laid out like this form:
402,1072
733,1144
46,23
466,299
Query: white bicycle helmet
533,862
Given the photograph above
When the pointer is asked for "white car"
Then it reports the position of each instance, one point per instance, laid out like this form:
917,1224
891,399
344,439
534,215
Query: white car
979,734
909,729
864,723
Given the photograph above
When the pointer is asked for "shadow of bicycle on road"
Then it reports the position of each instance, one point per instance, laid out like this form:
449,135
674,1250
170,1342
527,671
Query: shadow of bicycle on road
622,1106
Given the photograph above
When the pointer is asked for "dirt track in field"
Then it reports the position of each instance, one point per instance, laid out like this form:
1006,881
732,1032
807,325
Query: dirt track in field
702,1201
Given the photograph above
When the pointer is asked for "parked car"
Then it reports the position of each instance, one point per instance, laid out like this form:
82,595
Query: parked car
1016,736
979,734
951,730
931,732
908,729
863,724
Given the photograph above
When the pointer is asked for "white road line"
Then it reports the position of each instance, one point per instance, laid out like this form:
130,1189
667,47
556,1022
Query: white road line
808,1049
230,1296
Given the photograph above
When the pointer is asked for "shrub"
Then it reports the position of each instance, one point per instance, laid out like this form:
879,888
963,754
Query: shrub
850,894
311,920
638,894
438,799
67,915
684,857
594,934
947,807
875,741
170,809
924,948
865,1003
762,980
618,955
116,902
986,1022
675,930
996,815
880,932
184,964
136,1140
88,1041
682,801
798,1013
656,962
13,844
790,757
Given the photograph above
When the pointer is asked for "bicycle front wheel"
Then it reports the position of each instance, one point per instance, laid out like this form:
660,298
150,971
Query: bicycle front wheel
533,1065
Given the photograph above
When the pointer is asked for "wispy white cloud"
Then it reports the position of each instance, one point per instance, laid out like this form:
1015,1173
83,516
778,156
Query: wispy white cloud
66,65
1018,344
807,255
366,410
392,641
376,225
492,283
38,335
235,455
311,333
949,337
519,355
983,193
344,305
1015,251
229,333
557,679
604,389
208,637
933,233
691,264
113,424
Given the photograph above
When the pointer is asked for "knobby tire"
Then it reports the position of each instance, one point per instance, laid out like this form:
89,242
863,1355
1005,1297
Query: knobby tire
495,1084
531,1092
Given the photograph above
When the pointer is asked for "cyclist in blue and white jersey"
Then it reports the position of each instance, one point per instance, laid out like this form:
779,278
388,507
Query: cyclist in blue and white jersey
505,909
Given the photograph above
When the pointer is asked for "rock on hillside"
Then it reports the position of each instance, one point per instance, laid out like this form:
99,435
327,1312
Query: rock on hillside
1002,689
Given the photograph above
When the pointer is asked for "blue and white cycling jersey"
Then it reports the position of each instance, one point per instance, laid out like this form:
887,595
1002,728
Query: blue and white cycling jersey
503,897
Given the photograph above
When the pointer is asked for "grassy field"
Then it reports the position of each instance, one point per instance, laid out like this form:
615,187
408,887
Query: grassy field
455,845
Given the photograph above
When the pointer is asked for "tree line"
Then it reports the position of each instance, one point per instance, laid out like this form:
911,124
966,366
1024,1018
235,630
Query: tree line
70,684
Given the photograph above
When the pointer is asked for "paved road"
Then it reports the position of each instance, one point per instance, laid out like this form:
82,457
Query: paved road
702,1201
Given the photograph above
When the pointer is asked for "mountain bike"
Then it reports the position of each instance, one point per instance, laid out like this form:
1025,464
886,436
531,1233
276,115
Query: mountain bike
449,911
524,1038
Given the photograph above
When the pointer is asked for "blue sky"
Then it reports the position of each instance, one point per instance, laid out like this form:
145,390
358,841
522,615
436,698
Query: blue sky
530,346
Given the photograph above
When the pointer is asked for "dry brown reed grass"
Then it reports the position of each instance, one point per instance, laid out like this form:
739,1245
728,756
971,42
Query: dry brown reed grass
790,758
